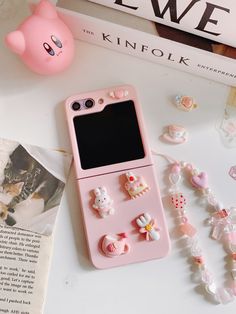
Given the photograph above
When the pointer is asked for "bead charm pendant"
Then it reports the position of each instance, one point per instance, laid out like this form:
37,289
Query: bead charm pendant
223,224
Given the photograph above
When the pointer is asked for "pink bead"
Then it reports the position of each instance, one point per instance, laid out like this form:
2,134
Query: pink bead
187,229
184,220
189,167
232,237
200,181
176,169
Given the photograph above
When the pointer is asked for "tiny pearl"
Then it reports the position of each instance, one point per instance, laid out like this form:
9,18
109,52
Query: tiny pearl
218,206
183,164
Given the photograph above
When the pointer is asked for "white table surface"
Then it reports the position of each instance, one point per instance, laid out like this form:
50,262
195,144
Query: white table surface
31,111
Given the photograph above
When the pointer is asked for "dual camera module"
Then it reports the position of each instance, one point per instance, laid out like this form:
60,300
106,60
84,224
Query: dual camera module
87,104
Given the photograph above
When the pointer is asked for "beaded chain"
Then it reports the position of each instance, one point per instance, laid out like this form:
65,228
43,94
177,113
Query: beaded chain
222,221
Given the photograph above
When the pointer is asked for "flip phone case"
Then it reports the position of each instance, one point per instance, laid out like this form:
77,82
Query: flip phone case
121,204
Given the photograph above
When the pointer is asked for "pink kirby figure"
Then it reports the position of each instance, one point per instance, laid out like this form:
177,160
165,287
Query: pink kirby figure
43,42
115,245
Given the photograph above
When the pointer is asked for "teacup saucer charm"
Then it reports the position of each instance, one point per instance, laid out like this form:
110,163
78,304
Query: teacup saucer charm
115,245
185,103
136,186
175,134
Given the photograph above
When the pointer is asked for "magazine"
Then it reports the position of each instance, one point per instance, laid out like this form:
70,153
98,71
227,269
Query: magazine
210,19
154,42
32,182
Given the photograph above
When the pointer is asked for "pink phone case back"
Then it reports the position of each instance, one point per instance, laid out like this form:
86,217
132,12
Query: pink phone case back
113,177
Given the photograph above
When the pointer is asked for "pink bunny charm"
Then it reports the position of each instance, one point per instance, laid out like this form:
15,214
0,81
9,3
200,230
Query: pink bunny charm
43,42
103,202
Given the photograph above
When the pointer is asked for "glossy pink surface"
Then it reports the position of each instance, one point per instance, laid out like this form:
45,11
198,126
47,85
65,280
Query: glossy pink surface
114,177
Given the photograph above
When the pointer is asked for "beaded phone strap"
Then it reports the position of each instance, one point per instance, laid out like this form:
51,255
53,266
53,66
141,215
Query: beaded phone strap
223,222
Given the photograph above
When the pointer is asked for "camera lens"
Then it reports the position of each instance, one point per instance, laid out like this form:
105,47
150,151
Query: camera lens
89,103
76,106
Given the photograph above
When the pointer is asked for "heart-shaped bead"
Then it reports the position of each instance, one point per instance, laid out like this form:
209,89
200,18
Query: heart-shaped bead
200,181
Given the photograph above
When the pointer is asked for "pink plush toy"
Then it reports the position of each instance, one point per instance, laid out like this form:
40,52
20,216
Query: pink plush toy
44,43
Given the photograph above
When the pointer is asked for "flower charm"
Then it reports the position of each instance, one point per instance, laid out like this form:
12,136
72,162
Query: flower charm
148,227
185,103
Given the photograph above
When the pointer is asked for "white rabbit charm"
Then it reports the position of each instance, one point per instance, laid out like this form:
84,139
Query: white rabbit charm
103,202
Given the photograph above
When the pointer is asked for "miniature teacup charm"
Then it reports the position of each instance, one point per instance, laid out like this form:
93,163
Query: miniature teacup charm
185,103
115,245
136,186
103,202
148,227
175,134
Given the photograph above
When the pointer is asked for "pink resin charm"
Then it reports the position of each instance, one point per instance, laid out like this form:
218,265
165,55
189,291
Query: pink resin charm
185,103
231,237
136,186
115,245
187,229
178,200
148,227
43,41
200,181
119,94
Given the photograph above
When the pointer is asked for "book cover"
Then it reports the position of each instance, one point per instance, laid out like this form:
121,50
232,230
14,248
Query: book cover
32,182
213,19
148,40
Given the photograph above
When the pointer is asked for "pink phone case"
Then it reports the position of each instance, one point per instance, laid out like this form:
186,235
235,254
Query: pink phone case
132,228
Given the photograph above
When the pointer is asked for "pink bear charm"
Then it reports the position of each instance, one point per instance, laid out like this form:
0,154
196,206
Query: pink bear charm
43,42
115,245
136,186
103,202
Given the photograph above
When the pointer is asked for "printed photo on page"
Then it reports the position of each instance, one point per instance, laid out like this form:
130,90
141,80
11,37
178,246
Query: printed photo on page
32,181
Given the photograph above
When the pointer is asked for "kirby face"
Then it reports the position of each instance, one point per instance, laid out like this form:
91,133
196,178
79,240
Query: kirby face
44,43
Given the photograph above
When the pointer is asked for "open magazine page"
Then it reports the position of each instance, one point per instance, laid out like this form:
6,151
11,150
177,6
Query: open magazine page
32,181
24,265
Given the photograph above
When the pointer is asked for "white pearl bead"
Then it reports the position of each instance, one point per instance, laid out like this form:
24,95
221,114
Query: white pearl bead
219,206
183,164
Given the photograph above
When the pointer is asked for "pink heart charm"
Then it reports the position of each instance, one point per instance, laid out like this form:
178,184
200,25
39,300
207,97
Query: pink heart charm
200,181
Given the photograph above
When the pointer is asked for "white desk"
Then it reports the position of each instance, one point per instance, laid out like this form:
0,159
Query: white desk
31,111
